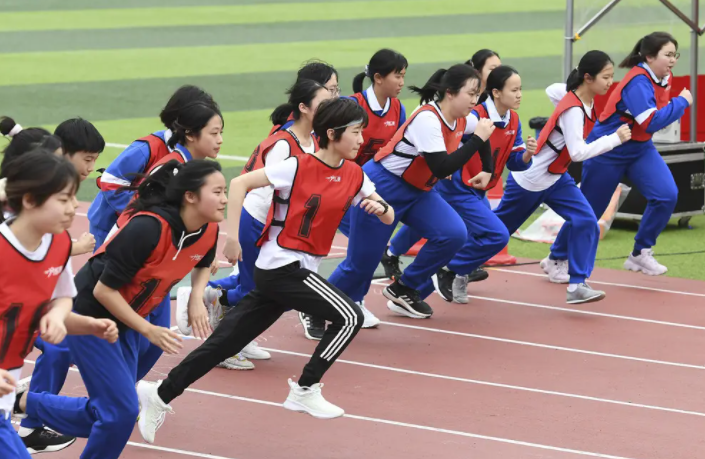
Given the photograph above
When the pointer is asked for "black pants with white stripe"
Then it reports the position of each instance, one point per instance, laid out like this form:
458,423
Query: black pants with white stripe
277,290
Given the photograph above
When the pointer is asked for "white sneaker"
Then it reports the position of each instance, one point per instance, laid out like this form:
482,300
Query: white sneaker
182,296
153,410
460,289
236,362
371,320
254,352
309,400
646,263
215,310
557,270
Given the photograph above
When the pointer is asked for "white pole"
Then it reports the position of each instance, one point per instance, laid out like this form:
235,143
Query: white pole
568,48
695,15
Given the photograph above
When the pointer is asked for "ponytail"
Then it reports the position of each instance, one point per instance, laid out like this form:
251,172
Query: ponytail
168,184
302,92
648,46
357,82
383,62
446,81
592,63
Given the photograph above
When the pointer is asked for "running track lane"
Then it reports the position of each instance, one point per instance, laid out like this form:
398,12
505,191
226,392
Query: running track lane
513,374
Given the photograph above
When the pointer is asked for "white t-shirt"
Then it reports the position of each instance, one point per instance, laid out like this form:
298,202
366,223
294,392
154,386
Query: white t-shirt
572,123
258,201
423,135
272,256
65,288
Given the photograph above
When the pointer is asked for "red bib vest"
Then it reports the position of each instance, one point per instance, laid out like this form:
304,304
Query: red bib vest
157,150
501,142
166,266
277,127
661,93
379,130
562,161
417,174
320,196
174,155
258,157
26,288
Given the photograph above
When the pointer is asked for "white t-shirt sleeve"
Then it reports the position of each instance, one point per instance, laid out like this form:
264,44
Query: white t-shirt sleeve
281,175
426,134
472,123
368,187
556,92
278,153
65,287
571,123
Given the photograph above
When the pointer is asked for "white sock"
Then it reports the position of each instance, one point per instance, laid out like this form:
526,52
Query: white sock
572,287
389,252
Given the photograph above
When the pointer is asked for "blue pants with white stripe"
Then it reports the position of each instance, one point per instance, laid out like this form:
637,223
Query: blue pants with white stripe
487,235
107,418
565,198
11,445
651,176
241,284
425,212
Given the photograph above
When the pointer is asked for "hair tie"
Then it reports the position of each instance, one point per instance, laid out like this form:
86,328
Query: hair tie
351,123
14,131
367,71
176,171
3,186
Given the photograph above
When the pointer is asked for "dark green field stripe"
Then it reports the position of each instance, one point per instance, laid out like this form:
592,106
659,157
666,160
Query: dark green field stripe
64,5
235,34
107,100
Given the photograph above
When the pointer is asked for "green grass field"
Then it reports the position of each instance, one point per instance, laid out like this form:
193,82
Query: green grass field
116,64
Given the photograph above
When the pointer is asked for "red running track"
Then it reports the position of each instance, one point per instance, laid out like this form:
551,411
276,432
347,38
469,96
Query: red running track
514,374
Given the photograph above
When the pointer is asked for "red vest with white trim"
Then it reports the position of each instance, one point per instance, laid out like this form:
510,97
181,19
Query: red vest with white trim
26,288
661,93
320,196
165,267
501,142
157,150
417,173
258,157
562,161
379,130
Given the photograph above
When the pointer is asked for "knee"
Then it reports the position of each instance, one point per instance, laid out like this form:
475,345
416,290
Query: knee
667,197
121,415
500,237
585,222
454,237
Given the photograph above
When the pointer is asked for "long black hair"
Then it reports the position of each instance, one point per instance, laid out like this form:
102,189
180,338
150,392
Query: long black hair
442,81
168,184
302,92
191,121
317,70
648,46
592,63
337,114
38,173
496,80
384,62
184,98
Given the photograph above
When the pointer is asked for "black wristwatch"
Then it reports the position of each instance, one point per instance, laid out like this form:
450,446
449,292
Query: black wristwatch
385,205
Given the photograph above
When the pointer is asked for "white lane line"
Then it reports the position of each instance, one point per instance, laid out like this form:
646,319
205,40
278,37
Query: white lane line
384,282
503,386
231,158
176,451
546,346
638,287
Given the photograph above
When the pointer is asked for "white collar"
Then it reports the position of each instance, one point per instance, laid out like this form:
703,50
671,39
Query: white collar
663,82
494,114
374,103
440,112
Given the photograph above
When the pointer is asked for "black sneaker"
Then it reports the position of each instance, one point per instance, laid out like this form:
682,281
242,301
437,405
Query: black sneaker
391,266
443,282
406,301
314,328
43,440
478,275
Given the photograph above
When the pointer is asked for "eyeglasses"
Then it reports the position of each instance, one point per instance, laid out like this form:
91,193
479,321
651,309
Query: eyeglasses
675,56
334,90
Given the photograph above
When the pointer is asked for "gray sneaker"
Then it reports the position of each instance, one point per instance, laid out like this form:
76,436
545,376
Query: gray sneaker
460,289
584,294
